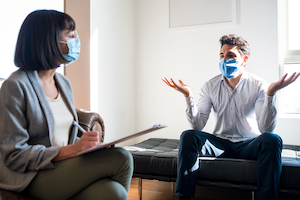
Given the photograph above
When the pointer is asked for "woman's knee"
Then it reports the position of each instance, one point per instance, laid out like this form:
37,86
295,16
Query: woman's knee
124,156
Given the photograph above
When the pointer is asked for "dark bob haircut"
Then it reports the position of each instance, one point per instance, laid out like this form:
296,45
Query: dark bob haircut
232,39
38,46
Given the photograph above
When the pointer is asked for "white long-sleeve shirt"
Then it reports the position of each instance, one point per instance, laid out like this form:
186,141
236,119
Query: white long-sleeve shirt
242,113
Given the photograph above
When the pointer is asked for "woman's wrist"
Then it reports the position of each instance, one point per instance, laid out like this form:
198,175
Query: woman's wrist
65,152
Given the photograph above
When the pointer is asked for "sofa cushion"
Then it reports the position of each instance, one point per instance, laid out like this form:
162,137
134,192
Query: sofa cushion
157,157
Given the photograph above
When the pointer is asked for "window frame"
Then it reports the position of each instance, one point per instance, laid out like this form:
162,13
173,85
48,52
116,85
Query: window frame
285,56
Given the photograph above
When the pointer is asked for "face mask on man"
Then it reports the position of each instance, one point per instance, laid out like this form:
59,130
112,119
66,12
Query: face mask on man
229,67
74,49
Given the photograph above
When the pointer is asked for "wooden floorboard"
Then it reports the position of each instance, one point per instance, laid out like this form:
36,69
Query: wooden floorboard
160,190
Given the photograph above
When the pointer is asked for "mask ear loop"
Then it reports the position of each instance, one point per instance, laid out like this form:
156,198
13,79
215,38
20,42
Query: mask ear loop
76,34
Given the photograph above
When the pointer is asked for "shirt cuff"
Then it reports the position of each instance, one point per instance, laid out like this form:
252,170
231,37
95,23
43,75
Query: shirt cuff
190,101
271,100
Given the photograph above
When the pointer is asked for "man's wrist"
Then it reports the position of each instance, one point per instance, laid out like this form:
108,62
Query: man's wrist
188,95
271,93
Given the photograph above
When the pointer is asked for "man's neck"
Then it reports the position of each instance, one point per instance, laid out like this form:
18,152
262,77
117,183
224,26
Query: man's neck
233,82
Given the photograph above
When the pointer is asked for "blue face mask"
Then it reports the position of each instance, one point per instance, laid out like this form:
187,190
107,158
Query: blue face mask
229,67
74,49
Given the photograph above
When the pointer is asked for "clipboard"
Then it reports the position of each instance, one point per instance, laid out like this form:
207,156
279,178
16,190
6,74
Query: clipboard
153,128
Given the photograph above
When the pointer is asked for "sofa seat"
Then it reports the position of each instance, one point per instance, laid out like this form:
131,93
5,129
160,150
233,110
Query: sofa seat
242,173
156,158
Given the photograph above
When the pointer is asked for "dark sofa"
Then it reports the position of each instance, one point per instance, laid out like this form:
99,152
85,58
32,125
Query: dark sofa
156,159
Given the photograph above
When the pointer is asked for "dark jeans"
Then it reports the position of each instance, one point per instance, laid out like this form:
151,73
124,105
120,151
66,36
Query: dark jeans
266,149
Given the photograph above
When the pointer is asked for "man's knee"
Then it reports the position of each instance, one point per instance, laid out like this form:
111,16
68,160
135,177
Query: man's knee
192,140
272,140
188,135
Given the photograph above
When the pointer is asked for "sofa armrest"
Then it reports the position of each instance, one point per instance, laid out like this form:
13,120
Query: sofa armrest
91,121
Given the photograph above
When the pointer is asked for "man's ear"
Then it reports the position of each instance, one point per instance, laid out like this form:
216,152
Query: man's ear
245,60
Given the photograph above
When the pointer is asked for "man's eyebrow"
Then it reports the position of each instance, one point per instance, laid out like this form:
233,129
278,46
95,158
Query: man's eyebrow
221,53
231,53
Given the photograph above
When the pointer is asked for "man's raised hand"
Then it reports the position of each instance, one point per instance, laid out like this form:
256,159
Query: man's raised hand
181,87
283,82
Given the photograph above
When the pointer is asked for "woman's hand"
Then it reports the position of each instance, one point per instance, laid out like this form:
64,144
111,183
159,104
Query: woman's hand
88,140
283,82
181,87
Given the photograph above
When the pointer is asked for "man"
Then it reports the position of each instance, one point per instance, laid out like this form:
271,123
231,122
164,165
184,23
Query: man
245,117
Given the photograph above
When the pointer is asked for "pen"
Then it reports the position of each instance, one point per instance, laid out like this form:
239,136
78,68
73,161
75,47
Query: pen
80,128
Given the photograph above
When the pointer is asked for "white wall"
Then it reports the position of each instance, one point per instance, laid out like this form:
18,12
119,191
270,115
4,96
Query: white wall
113,64
192,54
136,47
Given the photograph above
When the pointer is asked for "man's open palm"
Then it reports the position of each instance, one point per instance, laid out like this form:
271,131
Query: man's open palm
181,87
283,82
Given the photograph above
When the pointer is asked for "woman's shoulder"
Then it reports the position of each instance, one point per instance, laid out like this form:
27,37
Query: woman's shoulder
17,75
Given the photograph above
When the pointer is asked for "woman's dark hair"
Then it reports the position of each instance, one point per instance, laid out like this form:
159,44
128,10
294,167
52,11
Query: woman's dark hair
38,46
232,39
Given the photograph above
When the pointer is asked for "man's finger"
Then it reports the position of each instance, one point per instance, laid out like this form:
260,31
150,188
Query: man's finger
167,82
292,78
296,76
173,82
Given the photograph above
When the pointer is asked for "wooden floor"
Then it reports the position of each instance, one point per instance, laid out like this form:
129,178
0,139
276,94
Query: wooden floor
160,190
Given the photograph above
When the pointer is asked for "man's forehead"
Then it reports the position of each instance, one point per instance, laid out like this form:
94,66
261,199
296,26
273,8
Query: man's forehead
226,48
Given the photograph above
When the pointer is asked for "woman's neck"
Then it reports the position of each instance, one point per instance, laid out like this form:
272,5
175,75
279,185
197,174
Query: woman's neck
46,75
47,81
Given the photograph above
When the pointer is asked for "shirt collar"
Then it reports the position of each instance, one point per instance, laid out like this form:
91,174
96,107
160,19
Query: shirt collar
244,76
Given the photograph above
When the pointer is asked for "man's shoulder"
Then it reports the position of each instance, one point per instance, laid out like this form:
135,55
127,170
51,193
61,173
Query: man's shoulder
215,79
212,84
256,79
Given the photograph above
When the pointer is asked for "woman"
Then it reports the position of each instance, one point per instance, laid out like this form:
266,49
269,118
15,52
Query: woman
38,144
